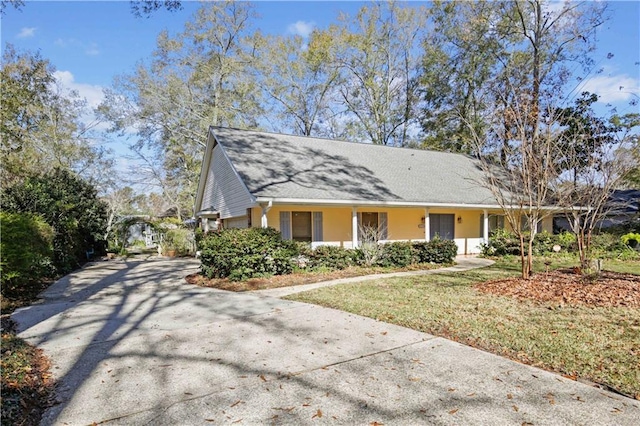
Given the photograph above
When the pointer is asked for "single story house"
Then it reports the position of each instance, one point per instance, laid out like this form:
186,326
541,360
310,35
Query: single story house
327,192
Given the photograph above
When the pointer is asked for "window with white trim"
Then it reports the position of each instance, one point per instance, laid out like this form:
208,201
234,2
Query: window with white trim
373,220
302,226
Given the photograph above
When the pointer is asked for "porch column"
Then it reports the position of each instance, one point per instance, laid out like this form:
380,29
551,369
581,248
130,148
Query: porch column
427,226
485,226
265,209
354,227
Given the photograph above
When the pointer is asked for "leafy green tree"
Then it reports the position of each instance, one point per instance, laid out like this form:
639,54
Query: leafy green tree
375,53
17,4
298,81
197,78
144,8
540,47
628,132
459,57
41,126
583,136
70,205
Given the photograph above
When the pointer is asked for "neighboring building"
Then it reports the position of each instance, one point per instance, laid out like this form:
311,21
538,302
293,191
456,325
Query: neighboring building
623,206
324,191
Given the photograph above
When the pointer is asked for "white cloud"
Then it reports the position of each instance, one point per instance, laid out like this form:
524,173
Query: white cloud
27,32
612,88
92,50
61,42
301,28
92,93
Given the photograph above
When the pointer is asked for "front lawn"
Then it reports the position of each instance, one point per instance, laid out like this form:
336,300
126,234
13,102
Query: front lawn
577,339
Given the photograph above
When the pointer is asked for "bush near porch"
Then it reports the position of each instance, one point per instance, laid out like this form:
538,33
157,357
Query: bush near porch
240,254
604,245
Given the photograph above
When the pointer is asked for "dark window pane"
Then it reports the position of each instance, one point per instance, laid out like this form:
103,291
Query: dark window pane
301,226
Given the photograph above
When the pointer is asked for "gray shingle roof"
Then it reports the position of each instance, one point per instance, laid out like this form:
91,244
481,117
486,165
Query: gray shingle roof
284,166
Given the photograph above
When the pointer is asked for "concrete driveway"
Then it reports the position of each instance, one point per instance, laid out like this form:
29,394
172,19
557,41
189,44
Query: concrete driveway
131,343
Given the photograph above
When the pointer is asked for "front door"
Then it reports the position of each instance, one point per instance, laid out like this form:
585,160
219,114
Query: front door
442,225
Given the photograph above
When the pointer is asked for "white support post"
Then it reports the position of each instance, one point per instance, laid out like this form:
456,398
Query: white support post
485,226
265,209
354,227
427,226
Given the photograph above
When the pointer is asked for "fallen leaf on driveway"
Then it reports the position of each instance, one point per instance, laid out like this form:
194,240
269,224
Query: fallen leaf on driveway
454,411
236,403
318,414
550,398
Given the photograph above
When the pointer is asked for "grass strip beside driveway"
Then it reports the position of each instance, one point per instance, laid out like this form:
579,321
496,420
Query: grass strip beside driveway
601,345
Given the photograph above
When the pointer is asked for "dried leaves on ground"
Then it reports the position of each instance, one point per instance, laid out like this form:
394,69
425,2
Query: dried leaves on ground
566,287
26,382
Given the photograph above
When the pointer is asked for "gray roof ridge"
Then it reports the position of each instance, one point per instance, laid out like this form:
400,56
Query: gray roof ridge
345,141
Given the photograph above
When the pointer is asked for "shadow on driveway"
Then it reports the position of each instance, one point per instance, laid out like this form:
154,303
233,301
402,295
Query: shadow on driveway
132,343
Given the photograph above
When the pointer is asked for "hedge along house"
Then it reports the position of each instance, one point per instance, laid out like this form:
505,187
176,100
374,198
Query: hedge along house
326,191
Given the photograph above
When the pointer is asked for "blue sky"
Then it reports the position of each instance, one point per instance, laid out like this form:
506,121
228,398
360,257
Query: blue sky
90,42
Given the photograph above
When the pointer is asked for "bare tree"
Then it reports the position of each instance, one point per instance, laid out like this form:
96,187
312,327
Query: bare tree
593,173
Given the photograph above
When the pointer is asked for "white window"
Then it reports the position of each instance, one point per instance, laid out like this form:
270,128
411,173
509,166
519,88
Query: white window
301,226
373,220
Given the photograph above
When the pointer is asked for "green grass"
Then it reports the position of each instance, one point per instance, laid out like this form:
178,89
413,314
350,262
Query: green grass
598,344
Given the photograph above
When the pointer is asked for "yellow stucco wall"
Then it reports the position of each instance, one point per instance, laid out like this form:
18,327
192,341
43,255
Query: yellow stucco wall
403,223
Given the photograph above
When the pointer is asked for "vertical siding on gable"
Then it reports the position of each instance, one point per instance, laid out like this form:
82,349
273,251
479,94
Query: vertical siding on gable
223,190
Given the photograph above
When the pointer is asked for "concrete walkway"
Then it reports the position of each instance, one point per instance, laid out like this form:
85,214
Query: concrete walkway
132,344
463,263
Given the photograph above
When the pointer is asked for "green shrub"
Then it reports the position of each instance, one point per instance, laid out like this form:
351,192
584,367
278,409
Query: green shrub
435,251
70,206
604,242
543,242
397,254
26,249
501,243
330,257
139,243
181,240
246,253
567,240
631,239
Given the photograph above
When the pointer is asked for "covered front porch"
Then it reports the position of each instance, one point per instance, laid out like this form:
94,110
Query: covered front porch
343,225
